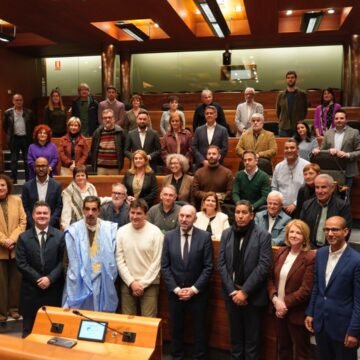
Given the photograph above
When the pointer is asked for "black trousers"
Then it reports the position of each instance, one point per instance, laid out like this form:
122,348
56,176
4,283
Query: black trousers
197,307
19,143
245,329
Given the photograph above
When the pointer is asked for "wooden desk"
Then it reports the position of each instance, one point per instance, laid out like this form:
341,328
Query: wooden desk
147,345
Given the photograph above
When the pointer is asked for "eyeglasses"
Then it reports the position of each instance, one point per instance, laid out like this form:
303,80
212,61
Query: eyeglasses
118,193
334,230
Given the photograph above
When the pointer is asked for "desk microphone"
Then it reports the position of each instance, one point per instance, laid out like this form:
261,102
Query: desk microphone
56,328
127,336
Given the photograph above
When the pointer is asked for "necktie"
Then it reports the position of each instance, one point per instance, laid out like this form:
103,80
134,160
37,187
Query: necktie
186,249
42,247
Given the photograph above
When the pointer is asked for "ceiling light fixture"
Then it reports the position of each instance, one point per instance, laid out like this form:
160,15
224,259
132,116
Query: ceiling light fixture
311,21
133,31
331,11
7,32
289,12
214,17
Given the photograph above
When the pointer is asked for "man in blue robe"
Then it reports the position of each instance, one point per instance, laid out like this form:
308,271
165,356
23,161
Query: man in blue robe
92,271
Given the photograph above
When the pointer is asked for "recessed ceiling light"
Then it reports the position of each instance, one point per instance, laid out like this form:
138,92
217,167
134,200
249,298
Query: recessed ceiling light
197,12
331,11
289,12
238,8
156,25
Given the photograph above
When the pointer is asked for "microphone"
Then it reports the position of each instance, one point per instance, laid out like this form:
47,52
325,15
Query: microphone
127,336
56,328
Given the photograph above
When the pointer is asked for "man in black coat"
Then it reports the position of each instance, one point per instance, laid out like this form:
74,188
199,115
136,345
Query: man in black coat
43,188
144,138
187,265
39,258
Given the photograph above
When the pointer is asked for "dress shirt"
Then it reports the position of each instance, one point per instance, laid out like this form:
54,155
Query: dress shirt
334,257
142,135
253,174
19,123
38,233
42,188
339,138
182,243
210,132
288,179
271,223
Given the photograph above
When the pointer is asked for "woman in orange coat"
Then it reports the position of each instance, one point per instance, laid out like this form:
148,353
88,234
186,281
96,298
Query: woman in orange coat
289,289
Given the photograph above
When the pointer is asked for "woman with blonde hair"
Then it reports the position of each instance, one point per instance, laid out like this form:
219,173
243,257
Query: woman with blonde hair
73,148
140,181
289,288
210,218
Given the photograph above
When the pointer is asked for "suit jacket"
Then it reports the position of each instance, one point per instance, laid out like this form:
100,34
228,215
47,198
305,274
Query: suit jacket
335,307
200,142
53,197
242,117
265,145
15,225
81,151
169,144
151,146
29,264
185,193
148,190
8,124
200,265
298,286
258,257
350,144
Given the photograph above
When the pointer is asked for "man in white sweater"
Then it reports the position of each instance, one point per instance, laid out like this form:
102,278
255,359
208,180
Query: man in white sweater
138,255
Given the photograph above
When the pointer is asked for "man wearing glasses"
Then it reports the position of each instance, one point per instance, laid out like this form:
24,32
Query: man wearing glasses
117,210
245,110
324,205
333,313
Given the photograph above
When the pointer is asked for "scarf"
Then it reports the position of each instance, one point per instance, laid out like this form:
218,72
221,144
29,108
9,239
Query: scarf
327,123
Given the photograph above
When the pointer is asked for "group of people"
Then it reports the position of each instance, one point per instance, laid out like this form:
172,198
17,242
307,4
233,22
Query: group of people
70,245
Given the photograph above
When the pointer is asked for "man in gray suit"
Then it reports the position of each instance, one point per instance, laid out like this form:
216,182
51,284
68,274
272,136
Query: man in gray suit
209,134
343,142
244,263
143,138
245,110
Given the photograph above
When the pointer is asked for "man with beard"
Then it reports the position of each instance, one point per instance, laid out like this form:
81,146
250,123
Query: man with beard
244,263
143,138
91,271
115,105
209,134
291,106
213,177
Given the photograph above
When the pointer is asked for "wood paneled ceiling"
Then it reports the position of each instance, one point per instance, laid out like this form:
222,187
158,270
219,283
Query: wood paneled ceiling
84,27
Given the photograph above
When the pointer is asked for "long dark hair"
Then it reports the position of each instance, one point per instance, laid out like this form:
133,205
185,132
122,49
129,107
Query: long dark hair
297,137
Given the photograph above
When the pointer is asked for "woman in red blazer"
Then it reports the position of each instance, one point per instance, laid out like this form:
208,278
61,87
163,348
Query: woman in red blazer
73,149
289,288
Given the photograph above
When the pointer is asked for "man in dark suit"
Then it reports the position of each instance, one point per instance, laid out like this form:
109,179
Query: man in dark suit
143,138
187,265
333,313
39,258
18,125
244,263
42,188
209,134
343,142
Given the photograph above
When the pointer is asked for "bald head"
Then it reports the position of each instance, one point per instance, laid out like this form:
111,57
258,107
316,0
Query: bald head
187,217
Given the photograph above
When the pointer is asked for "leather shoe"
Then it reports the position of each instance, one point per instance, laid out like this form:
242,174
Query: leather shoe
15,314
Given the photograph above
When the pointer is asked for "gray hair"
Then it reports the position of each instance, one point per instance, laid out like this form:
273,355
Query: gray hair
258,115
184,161
330,179
276,194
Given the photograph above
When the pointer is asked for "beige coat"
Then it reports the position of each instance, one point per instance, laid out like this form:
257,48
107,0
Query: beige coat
15,226
265,145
